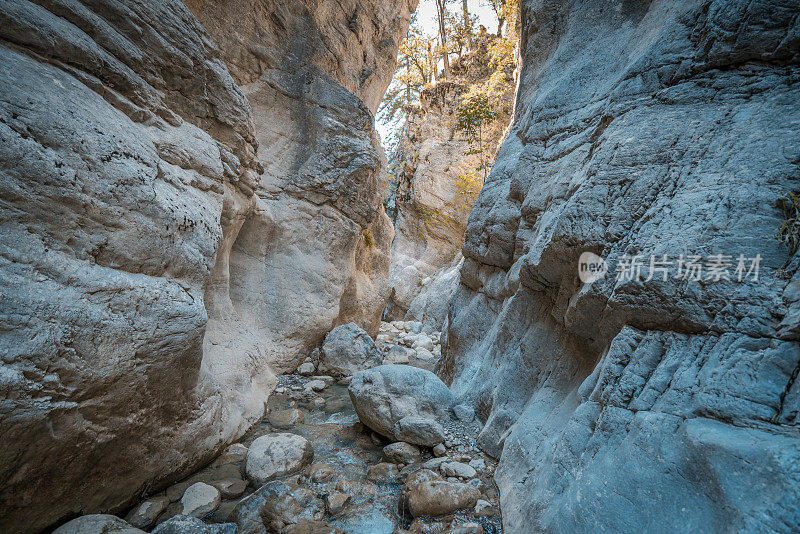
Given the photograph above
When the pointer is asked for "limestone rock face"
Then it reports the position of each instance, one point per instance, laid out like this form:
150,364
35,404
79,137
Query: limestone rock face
640,128
155,270
430,198
314,253
125,157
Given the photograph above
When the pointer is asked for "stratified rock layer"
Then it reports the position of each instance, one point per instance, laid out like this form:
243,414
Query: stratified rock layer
630,406
150,284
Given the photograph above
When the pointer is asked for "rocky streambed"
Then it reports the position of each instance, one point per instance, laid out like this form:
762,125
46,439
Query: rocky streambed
381,451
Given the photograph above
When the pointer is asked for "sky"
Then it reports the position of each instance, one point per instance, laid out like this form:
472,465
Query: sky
426,18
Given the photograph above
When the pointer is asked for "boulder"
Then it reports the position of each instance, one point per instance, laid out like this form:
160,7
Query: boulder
336,501
187,524
97,524
144,514
419,431
440,497
276,455
384,395
200,499
285,419
401,453
306,369
346,350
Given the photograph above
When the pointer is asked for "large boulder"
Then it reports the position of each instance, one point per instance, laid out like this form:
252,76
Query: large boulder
425,493
643,403
275,455
400,398
346,350
187,524
97,524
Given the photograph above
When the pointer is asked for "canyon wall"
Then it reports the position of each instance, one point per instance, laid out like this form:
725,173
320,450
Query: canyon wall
155,270
640,403
437,180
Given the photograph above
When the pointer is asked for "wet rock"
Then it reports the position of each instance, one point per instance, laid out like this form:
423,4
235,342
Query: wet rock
419,431
200,499
427,496
457,469
346,350
276,455
285,419
97,524
464,412
382,472
230,488
233,454
320,472
276,505
439,450
187,524
306,369
401,453
384,395
145,513
335,502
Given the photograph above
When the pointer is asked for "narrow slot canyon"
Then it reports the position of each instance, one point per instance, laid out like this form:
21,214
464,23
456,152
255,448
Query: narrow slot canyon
410,267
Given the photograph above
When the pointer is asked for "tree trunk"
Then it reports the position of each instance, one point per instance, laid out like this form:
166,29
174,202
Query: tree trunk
466,24
500,22
442,9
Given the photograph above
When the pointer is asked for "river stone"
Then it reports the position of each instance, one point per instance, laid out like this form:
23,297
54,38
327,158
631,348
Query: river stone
233,454
145,513
346,350
97,524
384,395
423,341
401,453
397,354
285,419
382,472
336,501
230,488
200,499
440,497
187,524
308,526
276,455
457,469
306,369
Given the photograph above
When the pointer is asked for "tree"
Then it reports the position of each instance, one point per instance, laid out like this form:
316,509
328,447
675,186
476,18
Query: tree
505,10
475,112
467,23
441,10
414,71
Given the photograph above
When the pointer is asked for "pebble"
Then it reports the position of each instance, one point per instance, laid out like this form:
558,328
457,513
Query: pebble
306,369
439,450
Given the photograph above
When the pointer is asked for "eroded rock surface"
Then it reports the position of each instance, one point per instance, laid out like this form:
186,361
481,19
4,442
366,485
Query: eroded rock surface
152,279
632,405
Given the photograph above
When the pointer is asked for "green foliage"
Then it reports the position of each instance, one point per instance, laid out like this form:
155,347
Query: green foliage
789,232
368,238
472,116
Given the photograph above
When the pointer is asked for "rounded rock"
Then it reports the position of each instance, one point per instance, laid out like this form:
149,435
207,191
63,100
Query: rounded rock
276,455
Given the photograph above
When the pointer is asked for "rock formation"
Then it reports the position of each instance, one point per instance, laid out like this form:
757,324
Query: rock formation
635,405
432,193
151,284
